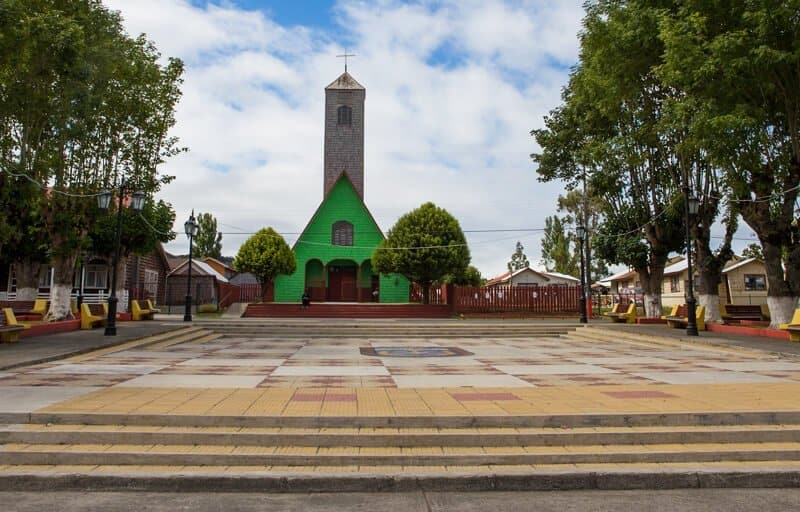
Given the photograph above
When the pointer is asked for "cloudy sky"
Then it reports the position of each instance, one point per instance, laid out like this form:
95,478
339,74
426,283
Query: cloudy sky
453,89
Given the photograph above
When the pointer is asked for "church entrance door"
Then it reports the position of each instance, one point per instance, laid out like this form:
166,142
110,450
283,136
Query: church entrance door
342,284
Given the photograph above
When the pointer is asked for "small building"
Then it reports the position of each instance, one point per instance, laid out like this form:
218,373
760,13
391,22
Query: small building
208,285
531,277
220,267
625,283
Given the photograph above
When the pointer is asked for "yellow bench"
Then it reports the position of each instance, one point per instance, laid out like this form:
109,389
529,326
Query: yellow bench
9,327
614,310
152,307
628,317
93,315
675,311
793,327
40,307
140,313
683,320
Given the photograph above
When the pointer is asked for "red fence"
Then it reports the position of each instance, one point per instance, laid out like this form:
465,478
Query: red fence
529,299
436,295
249,292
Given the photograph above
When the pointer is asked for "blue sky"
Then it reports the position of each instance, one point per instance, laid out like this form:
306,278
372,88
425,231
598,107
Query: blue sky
454,88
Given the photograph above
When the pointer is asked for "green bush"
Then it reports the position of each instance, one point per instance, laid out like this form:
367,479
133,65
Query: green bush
207,308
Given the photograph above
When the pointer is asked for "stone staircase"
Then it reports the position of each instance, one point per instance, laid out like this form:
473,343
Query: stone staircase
343,328
429,448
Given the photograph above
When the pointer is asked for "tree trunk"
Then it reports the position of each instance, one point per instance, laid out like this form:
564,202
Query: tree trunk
652,278
426,293
27,273
121,266
708,292
60,309
780,300
711,303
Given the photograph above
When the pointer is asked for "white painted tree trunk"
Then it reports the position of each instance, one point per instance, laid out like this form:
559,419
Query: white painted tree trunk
781,310
27,293
652,305
711,302
121,265
59,302
60,309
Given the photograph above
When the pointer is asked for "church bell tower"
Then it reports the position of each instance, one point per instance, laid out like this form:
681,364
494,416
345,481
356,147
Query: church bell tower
344,132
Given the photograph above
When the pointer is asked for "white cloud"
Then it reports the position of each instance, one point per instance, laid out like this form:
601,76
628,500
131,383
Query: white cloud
451,130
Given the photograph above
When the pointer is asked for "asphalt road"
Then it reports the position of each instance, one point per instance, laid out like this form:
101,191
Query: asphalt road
727,500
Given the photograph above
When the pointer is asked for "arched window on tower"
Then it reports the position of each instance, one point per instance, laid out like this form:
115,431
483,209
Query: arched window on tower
342,233
345,115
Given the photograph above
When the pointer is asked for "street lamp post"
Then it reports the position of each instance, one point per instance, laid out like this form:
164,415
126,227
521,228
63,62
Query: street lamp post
190,227
104,201
692,206
581,231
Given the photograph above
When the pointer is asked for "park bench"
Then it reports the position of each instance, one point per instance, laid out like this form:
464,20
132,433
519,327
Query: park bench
9,328
140,313
628,317
737,312
682,320
614,310
677,310
152,307
93,315
793,327
19,307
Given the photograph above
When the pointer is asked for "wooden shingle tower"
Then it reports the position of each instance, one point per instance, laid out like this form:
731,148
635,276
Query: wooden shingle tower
344,133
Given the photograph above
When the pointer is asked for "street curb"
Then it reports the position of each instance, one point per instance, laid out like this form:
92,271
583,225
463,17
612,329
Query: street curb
401,482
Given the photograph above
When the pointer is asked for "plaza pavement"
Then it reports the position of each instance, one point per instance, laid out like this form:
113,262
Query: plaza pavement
503,385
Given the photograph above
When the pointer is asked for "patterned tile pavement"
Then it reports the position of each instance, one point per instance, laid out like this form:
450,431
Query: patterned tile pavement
417,363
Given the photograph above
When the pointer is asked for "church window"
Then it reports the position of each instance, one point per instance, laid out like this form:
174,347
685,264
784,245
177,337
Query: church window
342,233
345,115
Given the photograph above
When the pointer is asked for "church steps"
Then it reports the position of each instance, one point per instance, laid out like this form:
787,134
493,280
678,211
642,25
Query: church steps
404,437
564,421
229,455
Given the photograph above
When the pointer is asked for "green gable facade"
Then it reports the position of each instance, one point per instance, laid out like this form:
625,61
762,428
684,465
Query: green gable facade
340,272
334,251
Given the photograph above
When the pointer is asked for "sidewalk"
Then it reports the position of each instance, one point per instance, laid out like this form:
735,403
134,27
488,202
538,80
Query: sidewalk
770,345
42,349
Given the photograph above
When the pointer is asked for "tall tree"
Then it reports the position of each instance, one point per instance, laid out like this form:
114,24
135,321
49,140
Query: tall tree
265,255
518,259
140,234
741,61
584,205
424,245
753,251
82,105
558,251
208,241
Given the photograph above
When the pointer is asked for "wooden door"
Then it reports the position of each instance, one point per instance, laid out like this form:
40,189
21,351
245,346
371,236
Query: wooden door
342,284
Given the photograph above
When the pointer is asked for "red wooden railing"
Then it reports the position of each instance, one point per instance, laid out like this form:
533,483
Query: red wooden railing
531,299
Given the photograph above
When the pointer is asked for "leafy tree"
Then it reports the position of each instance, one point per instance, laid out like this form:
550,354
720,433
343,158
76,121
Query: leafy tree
208,241
265,255
518,259
753,251
424,245
558,254
741,62
141,232
471,277
584,205
81,105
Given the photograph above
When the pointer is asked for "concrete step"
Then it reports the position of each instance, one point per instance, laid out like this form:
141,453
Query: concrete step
563,421
248,456
283,479
403,437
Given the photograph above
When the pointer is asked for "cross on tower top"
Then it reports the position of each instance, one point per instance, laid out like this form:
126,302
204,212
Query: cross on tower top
345,55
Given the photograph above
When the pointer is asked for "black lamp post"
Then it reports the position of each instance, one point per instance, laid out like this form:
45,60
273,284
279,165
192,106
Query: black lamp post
190,227
104,201
692,206
581,231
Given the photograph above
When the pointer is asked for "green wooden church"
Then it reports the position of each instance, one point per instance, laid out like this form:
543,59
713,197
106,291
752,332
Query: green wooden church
334,251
